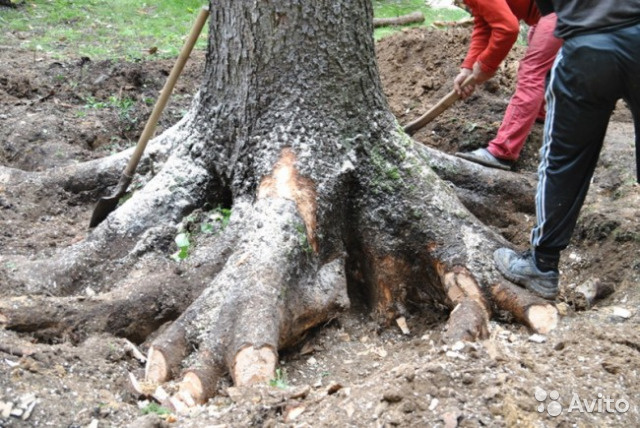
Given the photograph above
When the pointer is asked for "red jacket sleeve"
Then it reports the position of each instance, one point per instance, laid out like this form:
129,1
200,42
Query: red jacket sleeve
495,30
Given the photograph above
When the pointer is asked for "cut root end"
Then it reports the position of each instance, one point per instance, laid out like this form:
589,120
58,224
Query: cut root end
252,366
535,312
192,390
157,369
542,318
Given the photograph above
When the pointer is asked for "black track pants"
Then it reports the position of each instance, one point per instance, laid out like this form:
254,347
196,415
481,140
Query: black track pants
591,73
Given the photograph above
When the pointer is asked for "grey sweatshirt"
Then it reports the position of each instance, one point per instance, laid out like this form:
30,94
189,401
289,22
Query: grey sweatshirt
590,16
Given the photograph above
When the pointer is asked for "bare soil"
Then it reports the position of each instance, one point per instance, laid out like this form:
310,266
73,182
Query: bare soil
351,372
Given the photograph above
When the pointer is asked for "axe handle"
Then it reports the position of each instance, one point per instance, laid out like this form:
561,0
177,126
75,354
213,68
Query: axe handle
435,111
150,127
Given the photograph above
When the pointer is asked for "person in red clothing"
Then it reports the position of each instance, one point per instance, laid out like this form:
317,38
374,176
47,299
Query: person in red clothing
496,29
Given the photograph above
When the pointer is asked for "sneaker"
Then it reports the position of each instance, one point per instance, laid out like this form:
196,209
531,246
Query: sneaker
484,157
521,269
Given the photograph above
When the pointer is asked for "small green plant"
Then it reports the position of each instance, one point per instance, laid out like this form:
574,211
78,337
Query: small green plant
302,236
219,215
156,409
280,381
124,106
91,102
183,243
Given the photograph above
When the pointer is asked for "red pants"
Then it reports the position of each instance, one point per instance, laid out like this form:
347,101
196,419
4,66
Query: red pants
528,100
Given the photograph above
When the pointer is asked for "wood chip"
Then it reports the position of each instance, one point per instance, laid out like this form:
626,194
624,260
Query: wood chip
433,404
537,338
450,419
293,413
10,363
130,347
29,410
621,312
5,409
145,389
402,323
458,346
160,394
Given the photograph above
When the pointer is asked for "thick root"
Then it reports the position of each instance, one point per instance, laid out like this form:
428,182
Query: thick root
133,311
469,319
534,312
253,365
270,291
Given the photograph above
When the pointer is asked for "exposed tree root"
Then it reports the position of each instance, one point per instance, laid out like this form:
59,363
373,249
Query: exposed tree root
180,187
270,278
269,292
534,312
139,305
469,319
320,182
487,192
92,178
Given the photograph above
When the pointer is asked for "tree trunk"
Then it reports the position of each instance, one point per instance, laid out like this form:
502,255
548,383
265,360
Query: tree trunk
328,198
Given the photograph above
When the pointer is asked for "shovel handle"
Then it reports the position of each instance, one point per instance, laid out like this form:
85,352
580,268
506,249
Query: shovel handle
444,103
152,122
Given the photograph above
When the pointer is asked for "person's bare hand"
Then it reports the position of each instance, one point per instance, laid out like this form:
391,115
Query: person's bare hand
463,89
480,76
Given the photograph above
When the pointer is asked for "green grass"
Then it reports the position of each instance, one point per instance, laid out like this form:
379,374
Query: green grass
394,8
100,29
131,29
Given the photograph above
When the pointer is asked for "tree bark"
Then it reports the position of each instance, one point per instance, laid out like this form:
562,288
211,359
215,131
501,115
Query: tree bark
329,200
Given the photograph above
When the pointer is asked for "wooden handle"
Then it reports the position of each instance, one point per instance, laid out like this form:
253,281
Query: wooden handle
152,122
444,103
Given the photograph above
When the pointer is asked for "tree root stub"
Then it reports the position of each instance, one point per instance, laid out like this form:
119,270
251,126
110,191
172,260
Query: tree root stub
542,318
535,312
469,321
157,369
166,354
254,365
192,390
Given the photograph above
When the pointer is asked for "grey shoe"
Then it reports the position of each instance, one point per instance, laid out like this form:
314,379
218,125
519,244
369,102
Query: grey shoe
521,269
484,157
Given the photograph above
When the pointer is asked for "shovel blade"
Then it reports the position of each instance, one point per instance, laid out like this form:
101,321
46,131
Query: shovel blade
104,207
108,204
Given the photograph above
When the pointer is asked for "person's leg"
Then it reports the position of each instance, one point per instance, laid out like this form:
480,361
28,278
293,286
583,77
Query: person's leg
528,97
634,106
629,44
583,89
584,85
636,122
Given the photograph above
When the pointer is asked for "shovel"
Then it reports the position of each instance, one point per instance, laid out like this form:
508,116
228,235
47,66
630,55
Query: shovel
444,103
109,203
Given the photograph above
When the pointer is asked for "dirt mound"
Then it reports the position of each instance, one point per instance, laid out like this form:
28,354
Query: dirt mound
418,67
54,113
